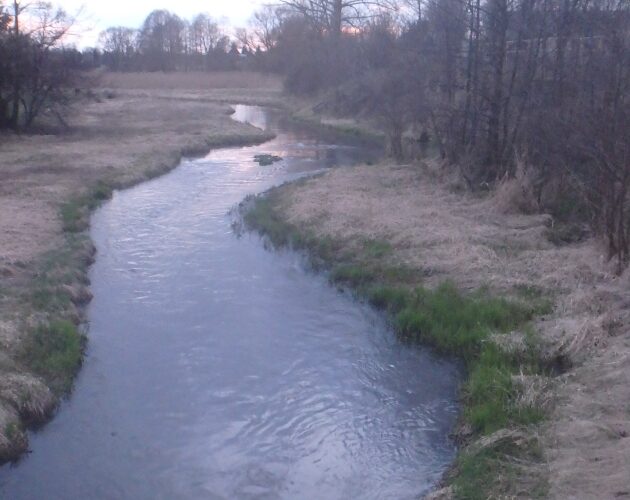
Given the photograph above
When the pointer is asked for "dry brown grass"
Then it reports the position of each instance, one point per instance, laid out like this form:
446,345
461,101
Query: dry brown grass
193,80
225,87
516,194
119,138
476,242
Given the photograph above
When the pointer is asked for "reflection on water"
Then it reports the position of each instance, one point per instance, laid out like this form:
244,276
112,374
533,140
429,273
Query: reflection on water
217,369
257,116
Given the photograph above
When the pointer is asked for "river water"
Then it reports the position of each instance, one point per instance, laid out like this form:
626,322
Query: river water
219,369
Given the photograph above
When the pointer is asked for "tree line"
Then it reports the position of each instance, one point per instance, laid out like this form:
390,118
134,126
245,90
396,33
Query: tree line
166,42
534,91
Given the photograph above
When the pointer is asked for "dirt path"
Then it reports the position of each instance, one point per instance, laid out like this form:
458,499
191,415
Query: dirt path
117,137
448,235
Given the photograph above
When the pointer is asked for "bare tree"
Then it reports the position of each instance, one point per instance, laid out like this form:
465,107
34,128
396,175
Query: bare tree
266,25
246,39
205,33
4,67
119,44
36,76
333,16
162,40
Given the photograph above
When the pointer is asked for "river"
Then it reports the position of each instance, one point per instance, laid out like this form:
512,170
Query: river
219,369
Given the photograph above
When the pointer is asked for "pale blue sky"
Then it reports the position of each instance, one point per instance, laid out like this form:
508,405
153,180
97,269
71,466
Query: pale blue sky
99,15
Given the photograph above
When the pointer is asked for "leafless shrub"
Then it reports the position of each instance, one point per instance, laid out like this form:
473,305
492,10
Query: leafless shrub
516,194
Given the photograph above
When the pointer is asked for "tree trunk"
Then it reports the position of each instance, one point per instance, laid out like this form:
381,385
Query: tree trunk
336,20
498,44
4,109
15,111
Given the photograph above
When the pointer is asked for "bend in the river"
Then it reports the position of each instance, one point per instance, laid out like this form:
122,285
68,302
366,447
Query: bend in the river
217,369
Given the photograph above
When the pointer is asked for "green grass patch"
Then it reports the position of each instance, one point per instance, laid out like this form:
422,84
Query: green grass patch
263,216
490,472
49,298
73,216
54,349
480,475
58,267
363,276
453,322
471,482
55,352
376,249
491,395
100,192
352,275
12,431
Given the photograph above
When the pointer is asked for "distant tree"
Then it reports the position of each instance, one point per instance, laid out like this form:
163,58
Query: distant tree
266,24
4,67
233,57
119,45
302,56
161,40
37,72
205,33
246,39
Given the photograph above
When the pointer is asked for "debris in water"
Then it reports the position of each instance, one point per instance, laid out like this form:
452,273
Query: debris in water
266,159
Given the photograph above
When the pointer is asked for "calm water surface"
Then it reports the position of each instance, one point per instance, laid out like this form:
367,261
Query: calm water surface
218,369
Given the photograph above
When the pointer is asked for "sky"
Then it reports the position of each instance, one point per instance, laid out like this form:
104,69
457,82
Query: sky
97,15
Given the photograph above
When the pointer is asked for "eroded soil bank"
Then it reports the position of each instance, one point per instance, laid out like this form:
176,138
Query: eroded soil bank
136,128
406,227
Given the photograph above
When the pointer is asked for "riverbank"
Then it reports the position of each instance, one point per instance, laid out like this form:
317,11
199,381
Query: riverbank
545,404
356,131
119,134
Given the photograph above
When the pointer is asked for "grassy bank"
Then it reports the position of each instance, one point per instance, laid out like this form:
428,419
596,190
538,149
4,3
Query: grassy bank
492,335
53,345
124,138
346,130
300,113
